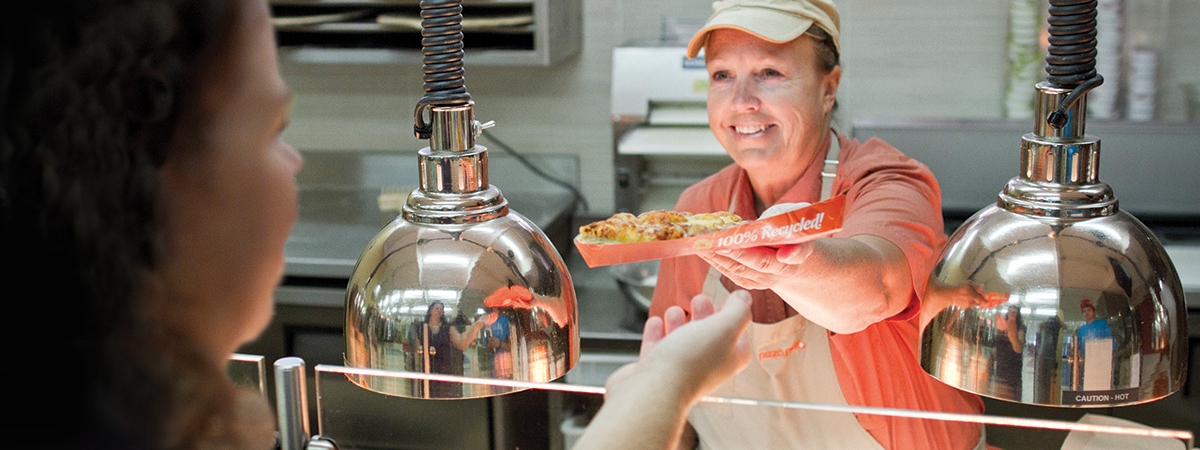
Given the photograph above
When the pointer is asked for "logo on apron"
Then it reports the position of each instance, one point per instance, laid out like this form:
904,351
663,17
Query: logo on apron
779,353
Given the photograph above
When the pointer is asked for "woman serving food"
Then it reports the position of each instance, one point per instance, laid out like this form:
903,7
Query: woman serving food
834,319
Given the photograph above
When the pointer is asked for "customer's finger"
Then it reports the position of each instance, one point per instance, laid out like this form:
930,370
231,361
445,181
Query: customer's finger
652,332
673,318
702,307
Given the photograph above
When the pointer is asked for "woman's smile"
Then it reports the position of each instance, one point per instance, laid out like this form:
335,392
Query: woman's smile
751,130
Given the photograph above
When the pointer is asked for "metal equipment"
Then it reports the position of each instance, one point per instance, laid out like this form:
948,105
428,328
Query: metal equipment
458,284
1054,295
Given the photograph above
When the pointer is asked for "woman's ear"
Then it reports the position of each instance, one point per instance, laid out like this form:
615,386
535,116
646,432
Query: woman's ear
829,88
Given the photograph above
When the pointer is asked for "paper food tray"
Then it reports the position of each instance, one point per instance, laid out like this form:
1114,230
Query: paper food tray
810,222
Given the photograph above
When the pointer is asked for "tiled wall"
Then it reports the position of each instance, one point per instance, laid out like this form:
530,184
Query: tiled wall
902,58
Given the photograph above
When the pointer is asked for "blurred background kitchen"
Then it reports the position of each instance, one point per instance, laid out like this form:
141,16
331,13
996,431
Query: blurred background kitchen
902,59
947,81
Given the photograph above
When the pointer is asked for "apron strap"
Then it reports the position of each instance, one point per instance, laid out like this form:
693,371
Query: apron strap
829,172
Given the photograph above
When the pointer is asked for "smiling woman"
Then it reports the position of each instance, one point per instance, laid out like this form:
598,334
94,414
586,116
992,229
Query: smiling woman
146,193
769,106
850,299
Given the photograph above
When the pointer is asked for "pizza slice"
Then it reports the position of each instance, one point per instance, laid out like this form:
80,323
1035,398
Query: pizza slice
656,225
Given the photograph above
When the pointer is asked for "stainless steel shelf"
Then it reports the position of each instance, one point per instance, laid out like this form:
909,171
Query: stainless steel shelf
496,32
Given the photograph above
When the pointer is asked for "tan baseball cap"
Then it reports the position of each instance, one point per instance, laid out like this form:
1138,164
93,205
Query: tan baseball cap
776,21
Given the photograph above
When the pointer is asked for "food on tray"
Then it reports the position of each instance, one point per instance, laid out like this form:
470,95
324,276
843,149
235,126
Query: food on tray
657,225
664,234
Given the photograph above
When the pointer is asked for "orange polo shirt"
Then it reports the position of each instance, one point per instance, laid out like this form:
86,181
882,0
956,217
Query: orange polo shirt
889,195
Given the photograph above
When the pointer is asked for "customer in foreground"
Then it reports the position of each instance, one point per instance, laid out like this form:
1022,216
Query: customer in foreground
145,197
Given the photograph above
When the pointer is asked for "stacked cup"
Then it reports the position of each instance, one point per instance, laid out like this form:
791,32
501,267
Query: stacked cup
1142,88
1025,60
1103,100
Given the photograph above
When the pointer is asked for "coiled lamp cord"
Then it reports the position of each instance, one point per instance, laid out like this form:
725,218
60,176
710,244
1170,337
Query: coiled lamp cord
1071,56
442,62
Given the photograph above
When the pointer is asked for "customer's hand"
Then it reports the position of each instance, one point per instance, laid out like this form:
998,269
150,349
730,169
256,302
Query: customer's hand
647,402
940,295
484,321
692,357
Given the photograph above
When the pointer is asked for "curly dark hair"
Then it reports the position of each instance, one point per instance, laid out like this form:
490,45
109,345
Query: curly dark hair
91,91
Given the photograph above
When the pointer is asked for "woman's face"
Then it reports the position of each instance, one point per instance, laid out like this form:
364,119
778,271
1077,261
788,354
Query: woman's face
228,192
768,103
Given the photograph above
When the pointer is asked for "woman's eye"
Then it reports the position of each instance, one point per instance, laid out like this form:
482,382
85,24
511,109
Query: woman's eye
716,76
771,73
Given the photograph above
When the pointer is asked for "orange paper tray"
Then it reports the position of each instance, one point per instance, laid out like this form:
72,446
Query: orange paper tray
797,226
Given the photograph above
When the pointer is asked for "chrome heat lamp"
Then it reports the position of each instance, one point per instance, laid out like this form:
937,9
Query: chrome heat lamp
1069,301
457,284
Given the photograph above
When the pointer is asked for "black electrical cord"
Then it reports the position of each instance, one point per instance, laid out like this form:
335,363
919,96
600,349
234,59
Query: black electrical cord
525,161
1071,56
442,50
442,66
